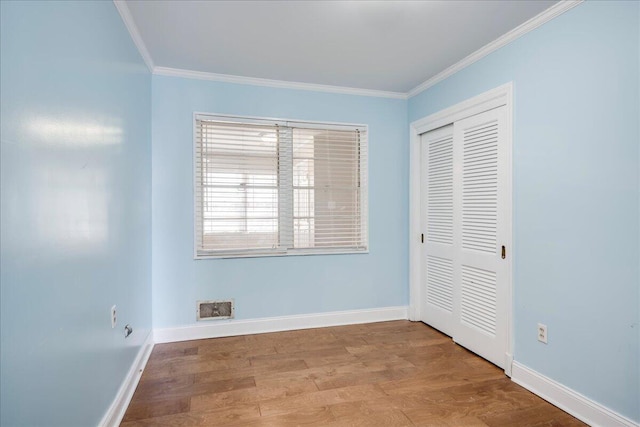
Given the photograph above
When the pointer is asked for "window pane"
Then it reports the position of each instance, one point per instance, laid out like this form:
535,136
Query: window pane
303,232
231,225
303,203
327,188
239,172
262,202
303,173
262,225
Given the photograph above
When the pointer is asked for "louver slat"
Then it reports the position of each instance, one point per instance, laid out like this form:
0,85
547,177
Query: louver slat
478,299
480,188
440,282
440,191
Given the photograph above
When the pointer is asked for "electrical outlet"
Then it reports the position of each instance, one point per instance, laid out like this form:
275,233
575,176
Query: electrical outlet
542,333
113,317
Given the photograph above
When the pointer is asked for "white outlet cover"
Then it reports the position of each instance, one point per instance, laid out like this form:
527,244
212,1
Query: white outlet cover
113,317
542,333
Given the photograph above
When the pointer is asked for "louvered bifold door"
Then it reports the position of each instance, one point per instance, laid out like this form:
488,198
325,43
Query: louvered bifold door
439,251
481,229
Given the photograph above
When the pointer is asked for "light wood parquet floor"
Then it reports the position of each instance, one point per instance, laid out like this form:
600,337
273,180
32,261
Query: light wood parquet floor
397,373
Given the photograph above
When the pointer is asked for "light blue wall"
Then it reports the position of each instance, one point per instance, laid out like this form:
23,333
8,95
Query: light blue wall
75,210
76,192
265,287
576,148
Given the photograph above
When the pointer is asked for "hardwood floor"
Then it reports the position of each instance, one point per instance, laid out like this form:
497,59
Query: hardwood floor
379,374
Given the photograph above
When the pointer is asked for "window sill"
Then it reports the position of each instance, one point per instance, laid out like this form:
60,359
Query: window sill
299,252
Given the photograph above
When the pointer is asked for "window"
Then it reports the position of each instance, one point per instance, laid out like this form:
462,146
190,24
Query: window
270,187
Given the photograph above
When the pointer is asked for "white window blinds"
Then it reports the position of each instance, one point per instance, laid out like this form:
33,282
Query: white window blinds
279,187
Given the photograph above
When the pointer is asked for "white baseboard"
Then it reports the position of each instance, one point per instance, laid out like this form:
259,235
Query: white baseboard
567,399
119,406
226,328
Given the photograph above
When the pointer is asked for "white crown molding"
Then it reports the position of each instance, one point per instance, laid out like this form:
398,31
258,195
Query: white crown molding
228,328
127,18
569,400
228,78
115,413
533,23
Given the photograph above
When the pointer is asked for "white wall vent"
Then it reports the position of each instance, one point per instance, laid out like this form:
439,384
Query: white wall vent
212,310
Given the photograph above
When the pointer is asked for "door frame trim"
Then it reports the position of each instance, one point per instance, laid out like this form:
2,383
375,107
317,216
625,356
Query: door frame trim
500,96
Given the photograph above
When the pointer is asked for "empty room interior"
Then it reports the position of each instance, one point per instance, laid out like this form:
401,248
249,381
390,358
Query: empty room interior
334,213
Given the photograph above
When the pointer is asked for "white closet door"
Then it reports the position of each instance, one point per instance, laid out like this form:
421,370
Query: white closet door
465,217
481,230
437,221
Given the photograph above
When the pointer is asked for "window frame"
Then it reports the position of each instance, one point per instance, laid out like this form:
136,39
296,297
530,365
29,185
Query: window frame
280,252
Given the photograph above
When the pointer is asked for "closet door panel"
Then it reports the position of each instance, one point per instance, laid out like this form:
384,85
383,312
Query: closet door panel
481,291
437,184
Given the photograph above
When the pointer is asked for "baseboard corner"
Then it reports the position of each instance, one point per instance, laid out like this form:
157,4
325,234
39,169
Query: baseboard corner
508,369
116,411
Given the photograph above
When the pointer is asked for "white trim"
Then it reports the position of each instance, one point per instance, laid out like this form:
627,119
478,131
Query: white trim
194,166
530,25
508,370
120,403
313,124
415,227
500,96
510,250
275,324
129,22
568,400
284,253
228,78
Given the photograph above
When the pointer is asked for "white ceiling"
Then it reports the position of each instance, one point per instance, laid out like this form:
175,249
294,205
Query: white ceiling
380,45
